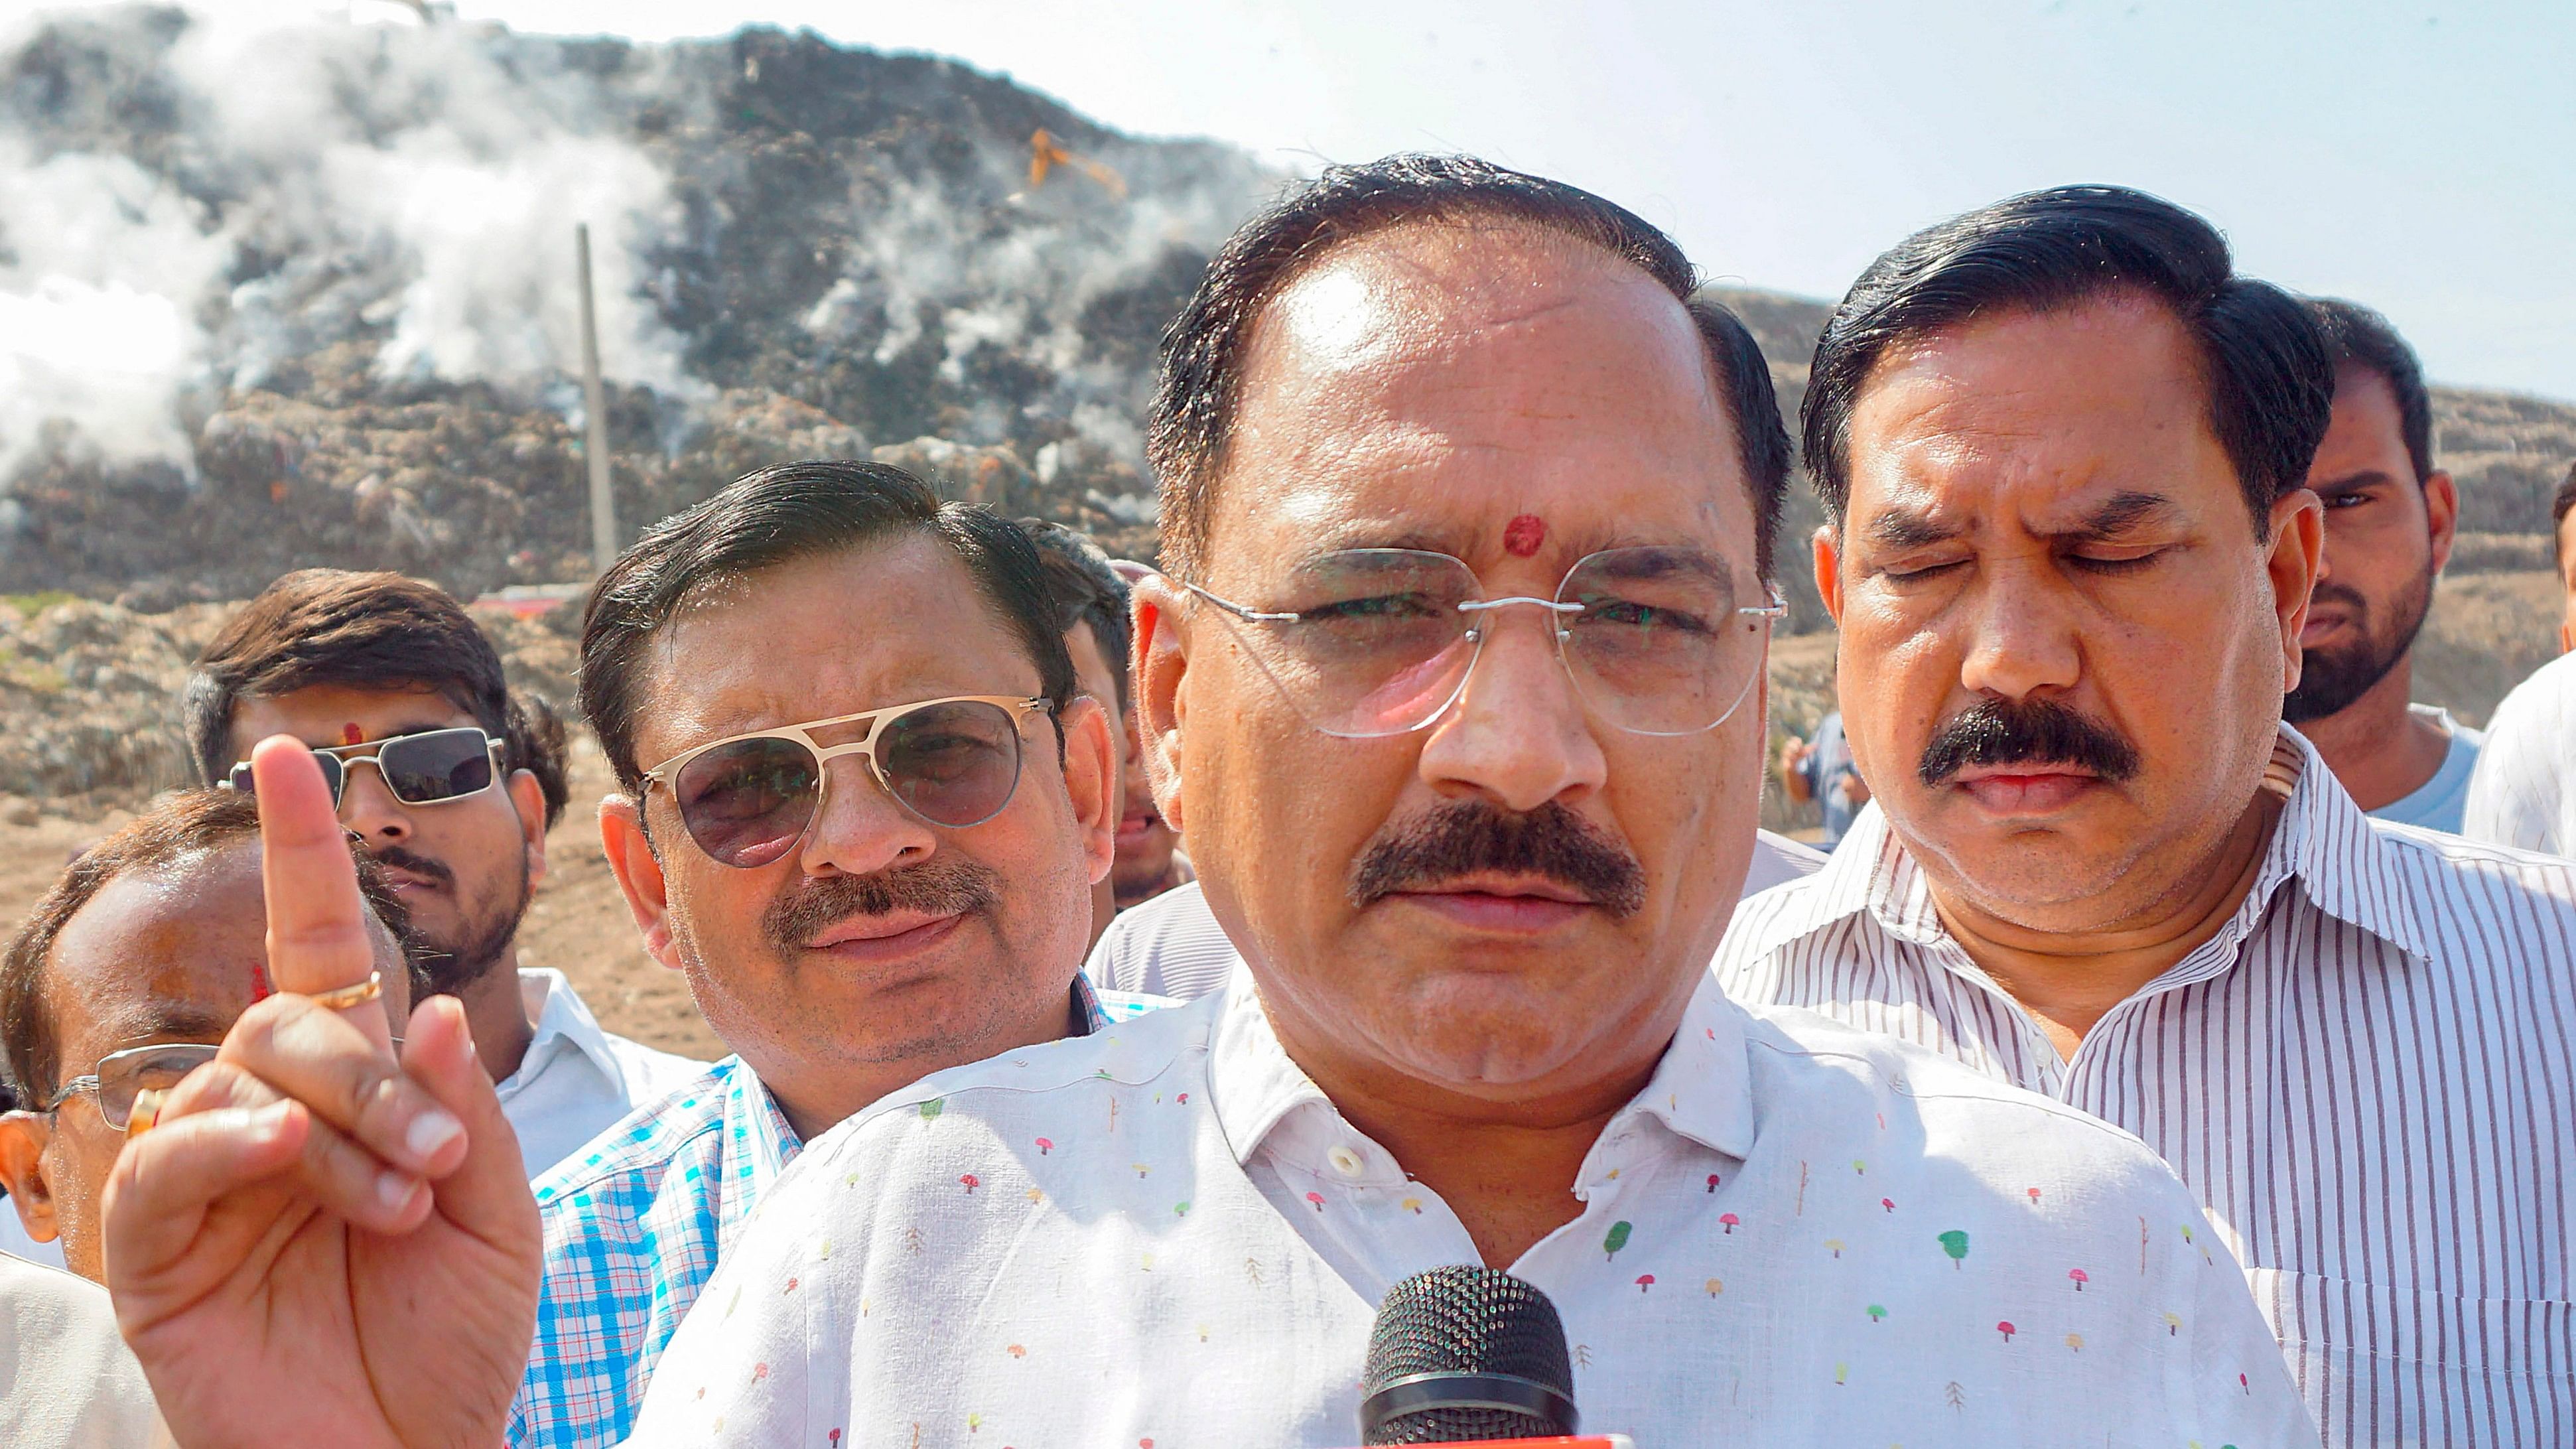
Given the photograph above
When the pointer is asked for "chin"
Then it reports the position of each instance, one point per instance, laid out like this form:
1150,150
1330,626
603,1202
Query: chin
1483,1028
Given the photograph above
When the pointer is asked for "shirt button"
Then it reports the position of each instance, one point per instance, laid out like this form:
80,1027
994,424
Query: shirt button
1345,1161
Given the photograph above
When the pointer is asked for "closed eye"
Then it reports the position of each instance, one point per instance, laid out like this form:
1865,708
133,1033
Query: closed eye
2119,563
1921,572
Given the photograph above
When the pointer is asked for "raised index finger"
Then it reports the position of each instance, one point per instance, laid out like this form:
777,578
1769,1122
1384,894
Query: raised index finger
317,921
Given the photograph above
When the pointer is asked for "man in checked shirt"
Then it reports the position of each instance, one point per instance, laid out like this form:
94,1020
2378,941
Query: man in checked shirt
2063,450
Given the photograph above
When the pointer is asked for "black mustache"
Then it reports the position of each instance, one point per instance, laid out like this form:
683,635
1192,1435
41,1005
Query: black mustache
401,859
1462,838
2034,731
940,887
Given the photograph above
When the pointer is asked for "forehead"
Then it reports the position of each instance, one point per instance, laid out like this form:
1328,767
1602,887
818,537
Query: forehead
1439,381
171,952
2041,412
888,622
2366,416
325,714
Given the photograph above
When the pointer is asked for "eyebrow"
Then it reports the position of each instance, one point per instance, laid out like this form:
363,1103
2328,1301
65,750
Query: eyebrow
2366,478
1904,528
159,1021
2118,514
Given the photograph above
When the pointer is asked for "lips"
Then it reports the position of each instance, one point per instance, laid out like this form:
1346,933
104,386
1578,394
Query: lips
889,937
1519,905
1135,824
2025,789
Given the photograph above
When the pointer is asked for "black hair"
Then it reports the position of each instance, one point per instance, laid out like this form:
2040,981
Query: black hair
1203,350
2271,387
365,631
778,515
2559,507
1086,590
2357,336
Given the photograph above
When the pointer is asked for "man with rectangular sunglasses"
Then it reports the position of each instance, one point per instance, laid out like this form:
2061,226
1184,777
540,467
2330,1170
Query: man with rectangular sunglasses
451,781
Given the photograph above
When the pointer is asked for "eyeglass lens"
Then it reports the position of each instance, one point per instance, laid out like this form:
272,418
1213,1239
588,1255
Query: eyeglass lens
748,803
123,1075
1380,645
428,768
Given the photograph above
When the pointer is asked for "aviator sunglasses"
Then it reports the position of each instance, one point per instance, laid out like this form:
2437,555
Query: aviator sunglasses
429,768
747,800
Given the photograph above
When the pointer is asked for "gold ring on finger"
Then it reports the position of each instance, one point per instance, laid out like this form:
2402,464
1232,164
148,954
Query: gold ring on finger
348,996
145,1111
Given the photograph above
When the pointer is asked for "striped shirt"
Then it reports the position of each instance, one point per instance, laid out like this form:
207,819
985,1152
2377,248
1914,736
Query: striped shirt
2368,1077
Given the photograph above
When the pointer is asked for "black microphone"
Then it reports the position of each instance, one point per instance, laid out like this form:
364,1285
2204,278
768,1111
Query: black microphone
1465,1354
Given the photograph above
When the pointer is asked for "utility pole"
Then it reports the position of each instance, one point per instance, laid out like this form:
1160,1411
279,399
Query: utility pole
594,407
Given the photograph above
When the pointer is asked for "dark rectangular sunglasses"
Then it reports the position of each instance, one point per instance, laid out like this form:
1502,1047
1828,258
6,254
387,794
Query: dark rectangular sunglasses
429,768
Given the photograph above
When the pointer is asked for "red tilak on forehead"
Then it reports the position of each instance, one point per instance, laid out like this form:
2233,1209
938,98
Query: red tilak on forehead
352,735
260,989
1523,535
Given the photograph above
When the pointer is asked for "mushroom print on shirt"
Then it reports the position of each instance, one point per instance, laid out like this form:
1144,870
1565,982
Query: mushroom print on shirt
1796,1233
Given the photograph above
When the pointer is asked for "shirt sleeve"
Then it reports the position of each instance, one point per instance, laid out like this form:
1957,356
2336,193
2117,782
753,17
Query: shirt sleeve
2517,793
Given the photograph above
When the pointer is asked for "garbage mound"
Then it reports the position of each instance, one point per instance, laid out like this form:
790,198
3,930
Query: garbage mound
361,240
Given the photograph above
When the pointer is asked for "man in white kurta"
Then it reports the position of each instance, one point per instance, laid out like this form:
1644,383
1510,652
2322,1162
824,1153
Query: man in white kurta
1797,1233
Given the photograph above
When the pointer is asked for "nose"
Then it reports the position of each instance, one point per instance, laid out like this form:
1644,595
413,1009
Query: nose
1518,736
860,829
2023,638
370,809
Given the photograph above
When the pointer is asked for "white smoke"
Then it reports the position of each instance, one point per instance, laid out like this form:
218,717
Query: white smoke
397,177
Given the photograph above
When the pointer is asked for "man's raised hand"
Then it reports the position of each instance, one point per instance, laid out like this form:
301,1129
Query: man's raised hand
319,1242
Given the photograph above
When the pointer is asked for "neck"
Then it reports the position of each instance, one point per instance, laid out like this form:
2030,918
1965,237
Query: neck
2069,980
1507,1169
498,1015
814,1102
2380,750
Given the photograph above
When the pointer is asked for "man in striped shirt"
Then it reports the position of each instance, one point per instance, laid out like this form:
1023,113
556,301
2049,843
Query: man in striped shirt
2062,447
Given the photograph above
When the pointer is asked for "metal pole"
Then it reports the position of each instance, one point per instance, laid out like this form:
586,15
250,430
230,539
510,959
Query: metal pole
594,406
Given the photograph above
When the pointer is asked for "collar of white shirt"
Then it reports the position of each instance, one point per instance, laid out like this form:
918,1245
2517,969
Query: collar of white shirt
2323,842
562,1023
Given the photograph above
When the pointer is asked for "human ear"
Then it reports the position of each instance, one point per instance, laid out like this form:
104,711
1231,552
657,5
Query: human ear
1090,773
1828,546
530,798
2441,515
23,1138
2297,552
639,875
1161,663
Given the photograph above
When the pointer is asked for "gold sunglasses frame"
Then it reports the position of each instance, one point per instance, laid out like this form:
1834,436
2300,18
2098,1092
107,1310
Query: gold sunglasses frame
1019,707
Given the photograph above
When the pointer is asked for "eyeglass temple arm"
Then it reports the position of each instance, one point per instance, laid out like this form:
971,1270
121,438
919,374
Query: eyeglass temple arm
1776,608
1242,611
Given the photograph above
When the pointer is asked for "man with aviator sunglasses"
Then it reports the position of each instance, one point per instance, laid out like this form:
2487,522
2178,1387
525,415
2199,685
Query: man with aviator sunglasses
451,782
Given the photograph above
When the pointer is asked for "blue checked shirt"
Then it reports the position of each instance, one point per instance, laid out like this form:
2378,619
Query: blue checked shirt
634,1224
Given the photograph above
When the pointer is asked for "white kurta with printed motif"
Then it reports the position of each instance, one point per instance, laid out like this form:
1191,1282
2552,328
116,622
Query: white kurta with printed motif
1165,1236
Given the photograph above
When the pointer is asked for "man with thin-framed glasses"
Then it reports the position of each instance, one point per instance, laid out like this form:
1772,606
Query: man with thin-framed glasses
1476,844
123,979
451,781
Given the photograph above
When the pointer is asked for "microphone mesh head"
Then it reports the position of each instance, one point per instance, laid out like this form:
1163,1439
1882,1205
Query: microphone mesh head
1466,1318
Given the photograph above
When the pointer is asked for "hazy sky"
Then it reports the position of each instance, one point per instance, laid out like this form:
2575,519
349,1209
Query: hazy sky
2421,157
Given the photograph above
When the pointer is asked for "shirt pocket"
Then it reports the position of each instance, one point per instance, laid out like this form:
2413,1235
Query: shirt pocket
2382,1365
